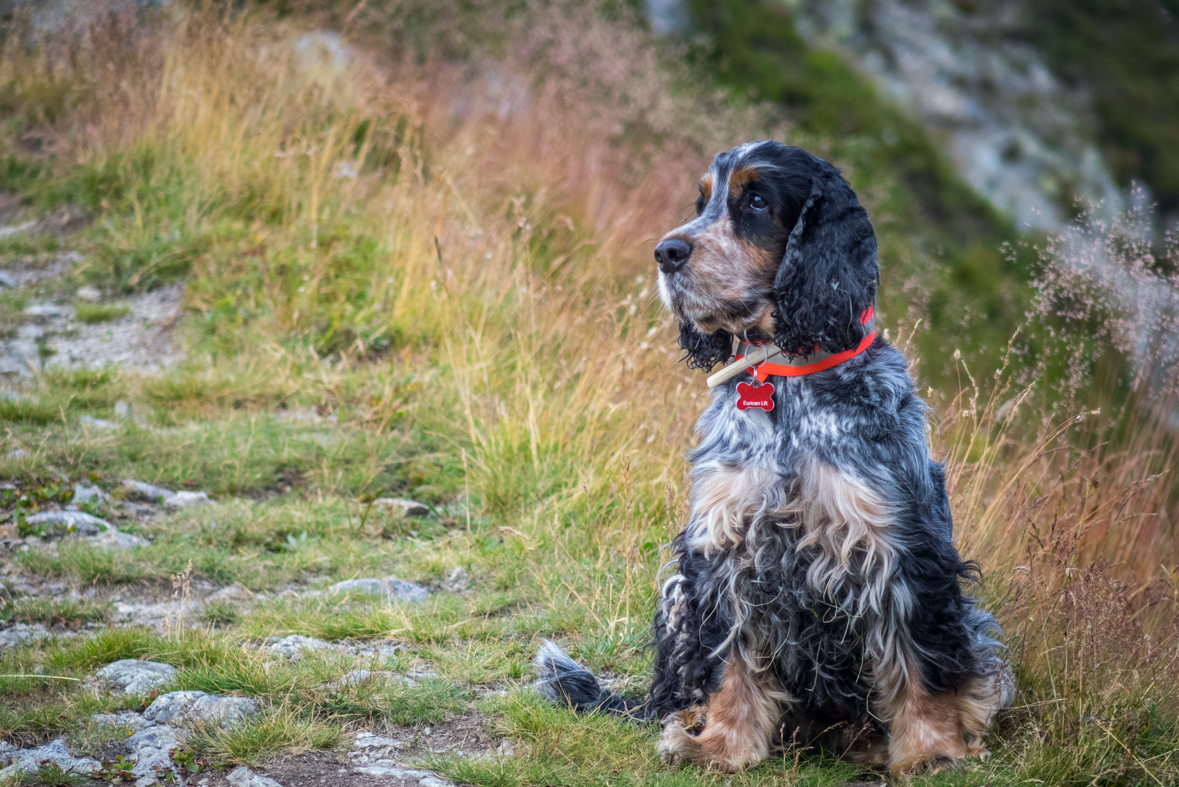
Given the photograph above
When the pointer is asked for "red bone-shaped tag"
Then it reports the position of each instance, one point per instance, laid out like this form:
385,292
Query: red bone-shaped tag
757,396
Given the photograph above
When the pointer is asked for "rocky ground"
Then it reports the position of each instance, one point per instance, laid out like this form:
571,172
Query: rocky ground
366,699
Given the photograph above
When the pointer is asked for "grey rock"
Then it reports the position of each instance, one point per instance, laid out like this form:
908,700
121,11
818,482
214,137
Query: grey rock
244,777
45,310
434,781
457,580
21,633
366,741
402,506
88,494
294,646
148,492
71,522
182,707
154,494
13,229
393,770
150,764
30,331
422,672
133,676
123,410
6,279
117,539
392,588
185,499
29,760
98,423
155,737
129,719
1013,131
16,453
88,294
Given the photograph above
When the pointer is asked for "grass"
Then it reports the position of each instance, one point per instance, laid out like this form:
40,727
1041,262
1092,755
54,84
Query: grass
91,313
470,321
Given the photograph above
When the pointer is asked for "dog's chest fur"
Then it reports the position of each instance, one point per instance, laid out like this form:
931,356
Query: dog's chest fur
788,536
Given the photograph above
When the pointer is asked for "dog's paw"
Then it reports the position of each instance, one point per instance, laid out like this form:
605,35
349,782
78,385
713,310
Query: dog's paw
977,749
933,765
678,742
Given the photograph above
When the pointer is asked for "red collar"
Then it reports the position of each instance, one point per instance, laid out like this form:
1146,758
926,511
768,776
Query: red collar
782,364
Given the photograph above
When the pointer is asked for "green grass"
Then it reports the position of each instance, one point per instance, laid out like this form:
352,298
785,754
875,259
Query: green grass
55,612
463,320
91,313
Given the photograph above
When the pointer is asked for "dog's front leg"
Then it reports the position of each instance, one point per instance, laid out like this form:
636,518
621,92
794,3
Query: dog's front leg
736,727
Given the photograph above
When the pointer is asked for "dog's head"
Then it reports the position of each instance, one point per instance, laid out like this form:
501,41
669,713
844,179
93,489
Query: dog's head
780,249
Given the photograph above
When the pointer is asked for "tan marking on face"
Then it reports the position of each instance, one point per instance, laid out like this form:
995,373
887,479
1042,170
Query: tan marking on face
706,188
739,722
725,270
740,179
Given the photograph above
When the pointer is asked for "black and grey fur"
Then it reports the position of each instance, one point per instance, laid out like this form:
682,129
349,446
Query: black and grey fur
817,592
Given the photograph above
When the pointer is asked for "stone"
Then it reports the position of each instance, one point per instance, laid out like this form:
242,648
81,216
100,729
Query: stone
117,539
154,494
88,294
392,588
393,770
6,279
134,676
148,492
402,506
70,522
123,410
184,499
434,781
244,777
154,737
20,633
44,310
13,229
366,741
98,423
129,719
294,646
457,580
88,494
182,707
30,760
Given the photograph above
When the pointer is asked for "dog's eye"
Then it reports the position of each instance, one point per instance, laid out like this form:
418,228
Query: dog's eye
758,202
699,205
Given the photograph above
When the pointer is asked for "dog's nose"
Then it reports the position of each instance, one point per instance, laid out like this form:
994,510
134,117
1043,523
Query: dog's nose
672,253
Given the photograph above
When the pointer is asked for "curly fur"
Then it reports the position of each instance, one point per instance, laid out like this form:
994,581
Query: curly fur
818,596
704,350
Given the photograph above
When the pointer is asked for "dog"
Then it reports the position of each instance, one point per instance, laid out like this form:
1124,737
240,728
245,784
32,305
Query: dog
817,594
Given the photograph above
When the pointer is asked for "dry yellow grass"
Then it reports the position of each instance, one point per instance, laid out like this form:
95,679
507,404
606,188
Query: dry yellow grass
460,247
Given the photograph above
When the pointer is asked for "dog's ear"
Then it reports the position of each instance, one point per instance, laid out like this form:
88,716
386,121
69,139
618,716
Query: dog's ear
829,272
704,350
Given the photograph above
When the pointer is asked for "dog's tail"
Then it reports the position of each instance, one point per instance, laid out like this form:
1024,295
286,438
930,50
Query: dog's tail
565,682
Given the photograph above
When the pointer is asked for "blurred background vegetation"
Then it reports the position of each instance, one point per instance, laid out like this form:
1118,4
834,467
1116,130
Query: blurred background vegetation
433,219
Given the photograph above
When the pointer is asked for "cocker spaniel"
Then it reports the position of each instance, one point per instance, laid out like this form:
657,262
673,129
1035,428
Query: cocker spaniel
817,597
